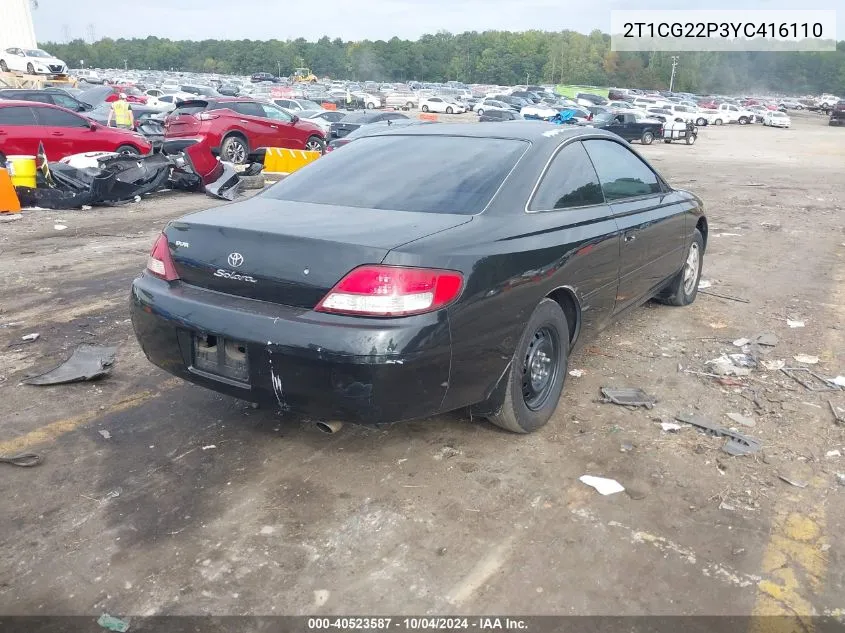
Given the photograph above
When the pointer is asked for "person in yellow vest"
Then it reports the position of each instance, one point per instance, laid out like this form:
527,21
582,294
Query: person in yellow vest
121,112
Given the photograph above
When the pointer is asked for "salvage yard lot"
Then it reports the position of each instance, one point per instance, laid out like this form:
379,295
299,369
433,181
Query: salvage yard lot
159,497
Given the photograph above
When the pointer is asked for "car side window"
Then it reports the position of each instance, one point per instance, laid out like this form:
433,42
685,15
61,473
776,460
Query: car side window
40,97
65,102
621,172
247,108
17,115
59,118
569,181
276,114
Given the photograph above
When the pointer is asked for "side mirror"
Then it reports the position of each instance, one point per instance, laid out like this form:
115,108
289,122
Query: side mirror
92,126
294,119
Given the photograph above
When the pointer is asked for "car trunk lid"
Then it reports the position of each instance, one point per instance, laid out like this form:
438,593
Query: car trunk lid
290,253
184,120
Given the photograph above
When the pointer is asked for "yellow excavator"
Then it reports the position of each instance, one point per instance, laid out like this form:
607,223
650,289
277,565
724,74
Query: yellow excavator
304,75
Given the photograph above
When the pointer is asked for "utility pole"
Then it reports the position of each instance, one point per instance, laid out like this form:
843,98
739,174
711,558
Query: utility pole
125,65
280,68
672,78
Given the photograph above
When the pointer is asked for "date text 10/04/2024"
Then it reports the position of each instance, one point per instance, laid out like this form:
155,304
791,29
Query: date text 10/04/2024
418,624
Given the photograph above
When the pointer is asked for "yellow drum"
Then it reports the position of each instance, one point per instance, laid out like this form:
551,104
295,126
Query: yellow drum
22,169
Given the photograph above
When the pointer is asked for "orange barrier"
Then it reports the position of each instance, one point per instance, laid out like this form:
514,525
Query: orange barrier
329,106
428,116
9,202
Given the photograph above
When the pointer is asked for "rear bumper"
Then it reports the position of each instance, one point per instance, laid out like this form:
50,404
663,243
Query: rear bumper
365,371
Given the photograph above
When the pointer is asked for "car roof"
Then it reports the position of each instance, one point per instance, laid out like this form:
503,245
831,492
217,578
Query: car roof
531,131
8,103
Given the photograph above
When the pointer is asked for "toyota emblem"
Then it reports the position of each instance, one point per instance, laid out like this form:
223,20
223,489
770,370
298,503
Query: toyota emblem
235,259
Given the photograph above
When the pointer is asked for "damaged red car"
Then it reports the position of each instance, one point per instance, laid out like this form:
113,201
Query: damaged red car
235,128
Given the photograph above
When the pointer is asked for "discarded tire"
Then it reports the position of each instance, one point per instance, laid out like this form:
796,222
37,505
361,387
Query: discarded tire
252,182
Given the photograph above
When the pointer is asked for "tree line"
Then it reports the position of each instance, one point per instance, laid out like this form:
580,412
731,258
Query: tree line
492,57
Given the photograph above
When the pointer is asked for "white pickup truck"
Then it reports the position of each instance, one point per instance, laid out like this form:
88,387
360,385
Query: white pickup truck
728,113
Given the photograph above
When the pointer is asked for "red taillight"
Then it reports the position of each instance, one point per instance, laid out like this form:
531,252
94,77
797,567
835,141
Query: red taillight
391,291
159,262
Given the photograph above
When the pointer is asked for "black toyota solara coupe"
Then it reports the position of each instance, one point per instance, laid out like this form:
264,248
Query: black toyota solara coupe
418,271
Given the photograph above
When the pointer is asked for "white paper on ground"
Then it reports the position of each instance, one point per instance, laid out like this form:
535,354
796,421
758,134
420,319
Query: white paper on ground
604,486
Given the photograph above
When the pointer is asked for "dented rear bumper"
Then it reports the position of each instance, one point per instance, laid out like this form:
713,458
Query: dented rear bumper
359,370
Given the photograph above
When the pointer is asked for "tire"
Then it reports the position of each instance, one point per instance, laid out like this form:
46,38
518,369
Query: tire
449,110
743,120
691,139
545,337
128,150
315,144
30,69
3,66
684,287
410,105
480,112
647,138
717,122
252,182
370,105
234,150
667,140
424,108
701,122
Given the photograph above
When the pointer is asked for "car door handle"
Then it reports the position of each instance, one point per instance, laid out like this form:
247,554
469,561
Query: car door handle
58,133
275,127
244,121
630,237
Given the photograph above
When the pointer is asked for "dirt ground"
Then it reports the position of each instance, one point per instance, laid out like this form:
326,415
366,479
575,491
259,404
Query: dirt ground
157,497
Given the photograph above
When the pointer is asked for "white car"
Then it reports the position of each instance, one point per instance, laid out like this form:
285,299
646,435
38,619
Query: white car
441,104
32,61
370,101
774,118
490,104
538,110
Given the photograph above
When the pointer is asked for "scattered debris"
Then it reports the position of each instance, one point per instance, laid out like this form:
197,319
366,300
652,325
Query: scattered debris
742,342
725,366
670,427
833,453
792,323
840,477
839,381
773,365
792,482
807,359
730,382
737,444
629,397
837,419
718,325
577,373
25,460
704,284
88,362
105,434
741,419
446,452
113,624
722,296
209,447
602,485
59,227
30,337
743,360
766,339
812,382
626,447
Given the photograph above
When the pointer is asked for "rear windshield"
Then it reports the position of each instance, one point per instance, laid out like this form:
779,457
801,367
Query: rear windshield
359,117
432,174
190,107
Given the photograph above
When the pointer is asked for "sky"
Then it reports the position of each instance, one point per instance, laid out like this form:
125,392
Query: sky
59,20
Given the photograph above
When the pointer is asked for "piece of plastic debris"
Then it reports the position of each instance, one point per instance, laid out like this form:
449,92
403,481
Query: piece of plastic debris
25,460
833,453
742,342
59,227
724,366
767,339
30,337
792,323
626,447
718,325
840,477
743,360
742,419
112,623
726,381
105,434
629,397
792,482
809,379
670,427
773,365
839,381
737,443
704,284
88,362
577,373
807,359
209,447
602,485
